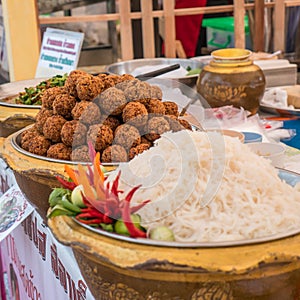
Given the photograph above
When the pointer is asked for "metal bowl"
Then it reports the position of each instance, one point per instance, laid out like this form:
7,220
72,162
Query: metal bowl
113,265
129,66
16,144
35,174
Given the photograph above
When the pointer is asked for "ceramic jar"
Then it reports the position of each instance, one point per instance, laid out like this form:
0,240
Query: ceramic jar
231,78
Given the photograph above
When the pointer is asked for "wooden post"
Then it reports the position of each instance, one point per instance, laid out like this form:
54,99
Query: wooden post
239,24
279,25
259,27
22,35
147,29
170,32
125,30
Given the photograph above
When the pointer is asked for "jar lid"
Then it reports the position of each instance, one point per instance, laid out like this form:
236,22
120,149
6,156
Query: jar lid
230,54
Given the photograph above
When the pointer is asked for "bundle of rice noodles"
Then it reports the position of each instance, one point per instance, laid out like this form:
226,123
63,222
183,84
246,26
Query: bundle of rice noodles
210,188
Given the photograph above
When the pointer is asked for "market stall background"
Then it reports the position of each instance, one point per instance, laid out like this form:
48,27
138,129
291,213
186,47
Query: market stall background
149,16
51,259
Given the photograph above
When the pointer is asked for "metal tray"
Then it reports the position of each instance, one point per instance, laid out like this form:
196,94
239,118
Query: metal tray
16,144
12,89
280,111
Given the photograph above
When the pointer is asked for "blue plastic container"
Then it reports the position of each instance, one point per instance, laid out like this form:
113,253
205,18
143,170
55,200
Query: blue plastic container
295,141
252,137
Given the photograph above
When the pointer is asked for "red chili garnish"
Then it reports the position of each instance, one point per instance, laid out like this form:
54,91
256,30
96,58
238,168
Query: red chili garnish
90,214
70,185
134,209
90,221
101,198
133,231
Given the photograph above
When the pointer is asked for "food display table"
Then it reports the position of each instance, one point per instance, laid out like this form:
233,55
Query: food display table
34,265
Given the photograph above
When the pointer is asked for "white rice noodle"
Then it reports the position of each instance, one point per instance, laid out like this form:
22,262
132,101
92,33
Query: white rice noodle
210,188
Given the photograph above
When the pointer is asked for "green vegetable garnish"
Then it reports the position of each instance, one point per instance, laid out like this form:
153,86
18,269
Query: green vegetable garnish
121,228
107,227
162,233
65,202
33,95
76,196
193,72
57,194
59,210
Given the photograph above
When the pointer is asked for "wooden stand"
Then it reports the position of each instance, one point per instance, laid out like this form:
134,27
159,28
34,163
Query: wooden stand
23,35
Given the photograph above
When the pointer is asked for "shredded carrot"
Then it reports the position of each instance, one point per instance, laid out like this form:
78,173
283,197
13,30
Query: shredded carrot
82,179
71,174
99,186
97,168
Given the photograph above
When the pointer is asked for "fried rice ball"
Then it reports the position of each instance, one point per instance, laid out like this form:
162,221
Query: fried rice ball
135,113
155,107
27,135
174,123
114,153
101,136
89,87
156,92
59,151
171,108
49,95
71,81
137,150
41,117
126,77
140,90
52,128
109,80
144,140
155,127
145,102
87,112
73,133
112,101
63,105
124,84
110,121
185,124
81,153
39,145
127,136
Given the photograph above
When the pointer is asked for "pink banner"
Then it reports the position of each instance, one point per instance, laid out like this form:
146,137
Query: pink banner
37,267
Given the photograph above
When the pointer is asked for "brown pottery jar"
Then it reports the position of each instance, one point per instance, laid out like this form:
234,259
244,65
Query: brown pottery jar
231,78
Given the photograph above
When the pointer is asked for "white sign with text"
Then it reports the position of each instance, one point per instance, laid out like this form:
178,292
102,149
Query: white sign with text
60,52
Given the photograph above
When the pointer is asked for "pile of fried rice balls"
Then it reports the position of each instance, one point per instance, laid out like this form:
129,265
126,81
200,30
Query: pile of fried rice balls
119,115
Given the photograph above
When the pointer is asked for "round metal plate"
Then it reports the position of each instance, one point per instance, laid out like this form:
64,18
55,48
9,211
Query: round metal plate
288,176
12,89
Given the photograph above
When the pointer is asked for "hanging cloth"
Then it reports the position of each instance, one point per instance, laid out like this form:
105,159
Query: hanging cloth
188,27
